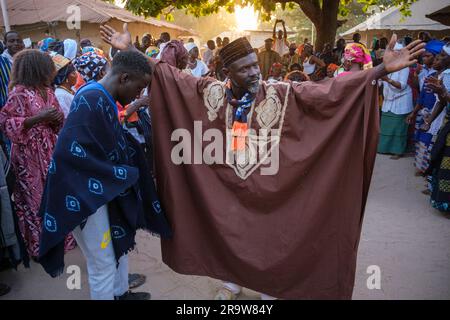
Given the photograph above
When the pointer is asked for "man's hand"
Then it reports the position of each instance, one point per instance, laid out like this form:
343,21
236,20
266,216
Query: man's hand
120,41
397,60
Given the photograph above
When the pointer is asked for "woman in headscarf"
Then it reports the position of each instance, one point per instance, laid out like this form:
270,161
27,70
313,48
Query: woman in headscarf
31,119
424,106
356,58
439,166
44,44
197,66
397,105
64,81
91,66
175,54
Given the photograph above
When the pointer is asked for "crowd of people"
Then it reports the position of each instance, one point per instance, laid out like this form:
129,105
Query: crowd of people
39,88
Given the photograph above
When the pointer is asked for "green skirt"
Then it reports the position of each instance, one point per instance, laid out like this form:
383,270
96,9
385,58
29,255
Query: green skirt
393,133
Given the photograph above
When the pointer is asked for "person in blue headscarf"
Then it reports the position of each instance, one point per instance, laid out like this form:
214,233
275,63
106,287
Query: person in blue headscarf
439,166
44,44
424,106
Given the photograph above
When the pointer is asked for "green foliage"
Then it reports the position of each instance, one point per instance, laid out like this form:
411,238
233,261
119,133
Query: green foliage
354,11
266,7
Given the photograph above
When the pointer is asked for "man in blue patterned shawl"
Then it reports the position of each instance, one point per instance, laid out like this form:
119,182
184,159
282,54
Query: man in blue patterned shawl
99,185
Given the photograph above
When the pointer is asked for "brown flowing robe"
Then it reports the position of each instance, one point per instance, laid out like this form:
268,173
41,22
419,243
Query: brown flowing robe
292,235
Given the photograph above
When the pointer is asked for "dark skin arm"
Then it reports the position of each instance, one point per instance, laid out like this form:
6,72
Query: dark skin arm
274,34
135,106
393,83
318,62
285,33
51,115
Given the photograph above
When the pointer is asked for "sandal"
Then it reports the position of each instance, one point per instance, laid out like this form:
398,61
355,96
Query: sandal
136,280
225,294
134,296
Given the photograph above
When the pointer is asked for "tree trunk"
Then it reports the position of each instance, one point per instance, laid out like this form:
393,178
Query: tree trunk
325,34
326,31
324,19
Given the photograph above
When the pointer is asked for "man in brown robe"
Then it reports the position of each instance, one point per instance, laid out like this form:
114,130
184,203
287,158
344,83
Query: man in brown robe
289,223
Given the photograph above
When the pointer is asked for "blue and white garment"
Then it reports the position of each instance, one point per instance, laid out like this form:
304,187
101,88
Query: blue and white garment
96,162
5,73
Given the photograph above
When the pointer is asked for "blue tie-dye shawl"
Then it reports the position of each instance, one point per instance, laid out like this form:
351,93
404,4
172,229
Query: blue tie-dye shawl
96,162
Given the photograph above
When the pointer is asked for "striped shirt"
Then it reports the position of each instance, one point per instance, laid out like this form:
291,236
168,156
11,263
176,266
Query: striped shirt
5,71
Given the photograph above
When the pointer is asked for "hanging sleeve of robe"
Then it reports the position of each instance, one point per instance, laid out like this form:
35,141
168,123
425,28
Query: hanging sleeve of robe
293,234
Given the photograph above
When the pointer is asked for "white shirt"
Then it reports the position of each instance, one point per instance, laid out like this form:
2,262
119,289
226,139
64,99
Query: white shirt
200,69
65,99
398,101
308,67
280,46
208,55
161,48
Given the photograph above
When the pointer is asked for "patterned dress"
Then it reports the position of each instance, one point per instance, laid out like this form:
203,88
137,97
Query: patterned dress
424,143
30,157
440,183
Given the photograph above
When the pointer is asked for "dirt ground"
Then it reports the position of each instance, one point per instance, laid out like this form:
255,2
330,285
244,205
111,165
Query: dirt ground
402,235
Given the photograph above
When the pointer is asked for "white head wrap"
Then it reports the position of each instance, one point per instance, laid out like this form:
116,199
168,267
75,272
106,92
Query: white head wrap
446,48
190,45
70,49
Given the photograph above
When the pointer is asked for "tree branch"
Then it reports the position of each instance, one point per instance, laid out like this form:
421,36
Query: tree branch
311,8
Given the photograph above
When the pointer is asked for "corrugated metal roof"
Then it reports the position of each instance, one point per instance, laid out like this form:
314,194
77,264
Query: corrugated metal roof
392,19
23,12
